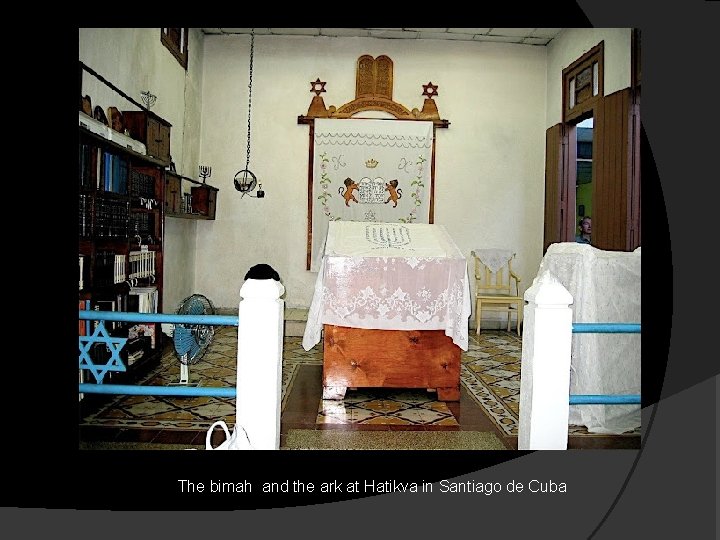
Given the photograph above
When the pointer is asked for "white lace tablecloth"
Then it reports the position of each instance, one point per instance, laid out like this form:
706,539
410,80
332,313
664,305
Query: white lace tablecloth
390,276
605,286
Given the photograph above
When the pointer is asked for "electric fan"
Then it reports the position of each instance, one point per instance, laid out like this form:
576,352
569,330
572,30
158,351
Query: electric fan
192,340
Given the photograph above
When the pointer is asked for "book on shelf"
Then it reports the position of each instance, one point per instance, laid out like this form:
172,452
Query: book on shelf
147,298
81,265
143,300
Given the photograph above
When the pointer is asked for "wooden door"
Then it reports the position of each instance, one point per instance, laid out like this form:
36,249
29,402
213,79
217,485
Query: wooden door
559,208
616,174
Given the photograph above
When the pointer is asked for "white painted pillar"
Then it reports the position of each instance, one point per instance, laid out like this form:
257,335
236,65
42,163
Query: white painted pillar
259,362
545,366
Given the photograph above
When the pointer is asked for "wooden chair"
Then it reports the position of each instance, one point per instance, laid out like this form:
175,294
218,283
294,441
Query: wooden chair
497,287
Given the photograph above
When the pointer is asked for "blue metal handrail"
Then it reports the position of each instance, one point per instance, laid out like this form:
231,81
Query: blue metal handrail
116,364
122,316
605,399
605,328
134,390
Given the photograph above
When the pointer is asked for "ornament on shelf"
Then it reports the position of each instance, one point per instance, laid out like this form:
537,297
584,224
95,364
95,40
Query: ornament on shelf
205,172
148,99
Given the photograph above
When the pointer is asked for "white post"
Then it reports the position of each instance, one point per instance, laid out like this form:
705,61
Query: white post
259,362
545,366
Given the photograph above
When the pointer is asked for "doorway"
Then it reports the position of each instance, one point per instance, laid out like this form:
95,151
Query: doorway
583,170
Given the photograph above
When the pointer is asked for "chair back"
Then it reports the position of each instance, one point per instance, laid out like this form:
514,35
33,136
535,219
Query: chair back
493,272
497,287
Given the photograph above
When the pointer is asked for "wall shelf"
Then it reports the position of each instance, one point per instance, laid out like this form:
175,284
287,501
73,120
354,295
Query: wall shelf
189,199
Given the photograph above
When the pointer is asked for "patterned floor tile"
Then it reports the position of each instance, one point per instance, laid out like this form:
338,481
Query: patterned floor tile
489,372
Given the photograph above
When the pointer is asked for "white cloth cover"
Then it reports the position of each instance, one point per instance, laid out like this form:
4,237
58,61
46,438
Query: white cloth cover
391,276
388,164
605,286
494,259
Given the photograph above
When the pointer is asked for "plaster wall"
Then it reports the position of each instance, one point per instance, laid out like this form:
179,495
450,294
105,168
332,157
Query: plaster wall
489,172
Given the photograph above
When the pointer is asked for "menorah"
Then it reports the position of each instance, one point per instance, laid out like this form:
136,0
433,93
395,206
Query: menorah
148,99
205,171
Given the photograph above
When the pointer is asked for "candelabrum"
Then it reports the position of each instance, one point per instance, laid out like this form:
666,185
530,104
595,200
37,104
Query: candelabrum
148,99
205,172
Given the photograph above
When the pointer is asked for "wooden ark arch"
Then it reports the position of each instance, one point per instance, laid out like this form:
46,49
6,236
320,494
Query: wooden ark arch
373,93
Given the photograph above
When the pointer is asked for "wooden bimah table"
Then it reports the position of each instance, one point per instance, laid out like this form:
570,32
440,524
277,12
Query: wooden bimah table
391,305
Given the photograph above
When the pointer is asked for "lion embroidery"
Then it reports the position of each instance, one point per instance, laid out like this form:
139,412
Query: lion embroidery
347,191
394,193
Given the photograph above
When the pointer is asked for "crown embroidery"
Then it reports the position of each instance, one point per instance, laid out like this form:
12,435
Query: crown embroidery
371,163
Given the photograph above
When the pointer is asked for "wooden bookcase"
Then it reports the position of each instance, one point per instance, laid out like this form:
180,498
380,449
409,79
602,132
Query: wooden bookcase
121,212
188,198
120,222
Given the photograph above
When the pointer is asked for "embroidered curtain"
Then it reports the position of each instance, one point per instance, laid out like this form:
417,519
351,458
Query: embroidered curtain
369,170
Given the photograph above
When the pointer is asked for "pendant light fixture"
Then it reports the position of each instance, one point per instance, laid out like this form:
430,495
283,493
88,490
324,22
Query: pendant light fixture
245,180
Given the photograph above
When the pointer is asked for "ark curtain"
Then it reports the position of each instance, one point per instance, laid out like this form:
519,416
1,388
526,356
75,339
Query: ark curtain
369,170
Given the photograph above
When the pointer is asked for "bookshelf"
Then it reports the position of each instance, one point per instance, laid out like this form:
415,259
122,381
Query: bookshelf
120,235
188,198
121,207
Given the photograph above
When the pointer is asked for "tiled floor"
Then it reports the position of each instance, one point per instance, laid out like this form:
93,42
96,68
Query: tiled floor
490,388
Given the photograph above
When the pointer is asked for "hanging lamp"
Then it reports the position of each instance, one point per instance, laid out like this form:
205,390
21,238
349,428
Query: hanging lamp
245,180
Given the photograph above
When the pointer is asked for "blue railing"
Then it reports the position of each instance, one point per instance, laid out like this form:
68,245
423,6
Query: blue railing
605,399
121,316
115,363
115,345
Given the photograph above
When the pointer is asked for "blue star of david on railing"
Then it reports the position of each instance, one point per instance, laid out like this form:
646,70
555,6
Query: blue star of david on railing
114,346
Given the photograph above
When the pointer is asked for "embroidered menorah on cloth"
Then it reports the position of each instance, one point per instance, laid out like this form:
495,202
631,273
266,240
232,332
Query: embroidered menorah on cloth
387,235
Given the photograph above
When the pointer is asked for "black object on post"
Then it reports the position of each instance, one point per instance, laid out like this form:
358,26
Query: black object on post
262,271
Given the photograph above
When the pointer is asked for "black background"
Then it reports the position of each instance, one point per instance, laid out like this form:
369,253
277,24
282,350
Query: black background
666,489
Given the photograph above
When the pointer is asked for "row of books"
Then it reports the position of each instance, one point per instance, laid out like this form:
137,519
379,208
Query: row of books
141,337
85,219
143,225
98,216
137,300
103,170
147,302
142,185
109,268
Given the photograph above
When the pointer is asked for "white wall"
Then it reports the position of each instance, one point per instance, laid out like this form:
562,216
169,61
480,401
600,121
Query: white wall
489,165
570,45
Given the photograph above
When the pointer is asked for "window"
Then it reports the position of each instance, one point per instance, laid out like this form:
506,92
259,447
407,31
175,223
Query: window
176,41
583,84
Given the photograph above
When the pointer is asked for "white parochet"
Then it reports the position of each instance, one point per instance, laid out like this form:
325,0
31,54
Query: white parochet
369,170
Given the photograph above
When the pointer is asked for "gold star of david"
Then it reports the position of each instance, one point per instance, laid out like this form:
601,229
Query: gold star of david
430,90
318,86
114,346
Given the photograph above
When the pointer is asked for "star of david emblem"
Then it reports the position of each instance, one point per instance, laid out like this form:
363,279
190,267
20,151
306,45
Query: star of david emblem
317,86
430,90
370,216
114,346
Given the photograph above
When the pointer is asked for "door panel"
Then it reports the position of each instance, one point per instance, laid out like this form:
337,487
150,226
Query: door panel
559,210
616,181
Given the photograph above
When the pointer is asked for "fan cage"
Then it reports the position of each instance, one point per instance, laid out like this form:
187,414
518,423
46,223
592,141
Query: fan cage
192,340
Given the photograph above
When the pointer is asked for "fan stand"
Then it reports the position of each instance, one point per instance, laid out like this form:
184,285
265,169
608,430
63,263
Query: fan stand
184,374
